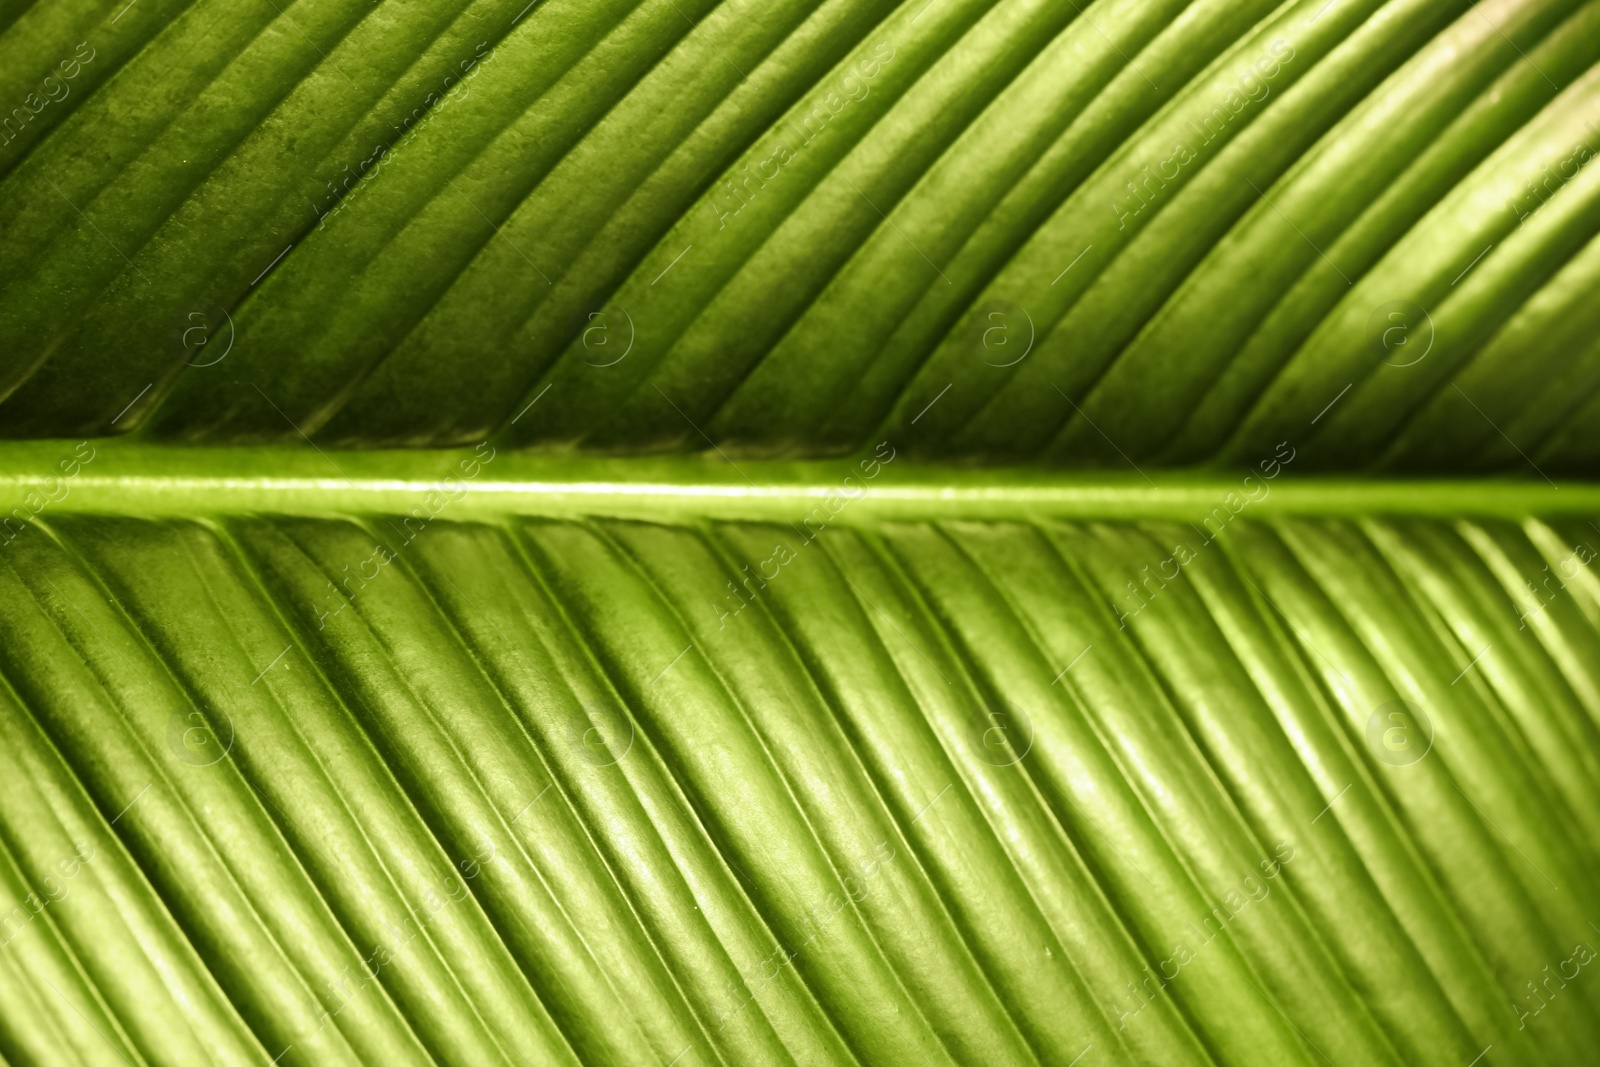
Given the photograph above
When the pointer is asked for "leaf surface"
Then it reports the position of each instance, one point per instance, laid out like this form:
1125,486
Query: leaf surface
608,769
1101,235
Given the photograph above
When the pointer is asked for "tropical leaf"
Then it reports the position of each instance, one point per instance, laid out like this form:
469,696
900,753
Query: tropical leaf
503,751
979,227
465,759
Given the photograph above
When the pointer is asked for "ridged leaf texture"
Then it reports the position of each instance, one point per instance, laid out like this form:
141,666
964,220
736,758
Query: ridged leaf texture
400,695
1132,231
456,788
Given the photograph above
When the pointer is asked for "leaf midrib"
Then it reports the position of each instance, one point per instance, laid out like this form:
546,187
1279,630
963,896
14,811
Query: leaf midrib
136,478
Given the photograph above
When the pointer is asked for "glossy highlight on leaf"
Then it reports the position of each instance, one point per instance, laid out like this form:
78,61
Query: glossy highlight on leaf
827,532
1134,231
890,781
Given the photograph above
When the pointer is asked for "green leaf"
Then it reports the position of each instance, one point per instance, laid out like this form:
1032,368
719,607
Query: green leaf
500,751
1141,230
475,758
